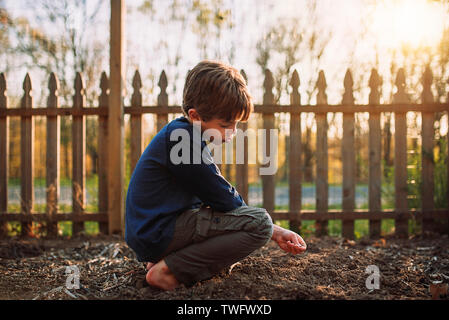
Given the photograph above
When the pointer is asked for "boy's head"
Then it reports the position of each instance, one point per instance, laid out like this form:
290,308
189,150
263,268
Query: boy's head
216,94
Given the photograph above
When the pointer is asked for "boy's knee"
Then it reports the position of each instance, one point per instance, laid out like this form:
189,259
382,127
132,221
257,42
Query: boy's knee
265,225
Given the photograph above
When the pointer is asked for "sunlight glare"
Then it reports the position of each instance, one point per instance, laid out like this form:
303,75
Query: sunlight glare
413,23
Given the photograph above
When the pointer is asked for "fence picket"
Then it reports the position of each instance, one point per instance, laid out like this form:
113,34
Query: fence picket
400,156
4,154
295,163
375,147
136,122
242,168
348,157
268,181
27,157
427,158
53,157
103,101
162,101
79,154
322,185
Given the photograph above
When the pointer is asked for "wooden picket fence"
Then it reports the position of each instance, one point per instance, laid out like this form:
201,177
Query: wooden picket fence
400,106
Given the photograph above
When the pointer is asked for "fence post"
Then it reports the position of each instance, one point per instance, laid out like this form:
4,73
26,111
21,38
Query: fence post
136,122
116,164
268,181
78,154
27,157
242,168
348,157
322,184
427,158
103,152
295,163
52,159
4,154
375,145
400,156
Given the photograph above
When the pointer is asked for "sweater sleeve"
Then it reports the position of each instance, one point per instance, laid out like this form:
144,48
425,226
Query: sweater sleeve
198,174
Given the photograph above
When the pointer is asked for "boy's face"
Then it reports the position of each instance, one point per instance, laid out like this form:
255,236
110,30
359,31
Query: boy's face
226,129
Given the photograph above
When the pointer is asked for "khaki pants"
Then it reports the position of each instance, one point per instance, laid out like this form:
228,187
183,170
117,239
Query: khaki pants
206,241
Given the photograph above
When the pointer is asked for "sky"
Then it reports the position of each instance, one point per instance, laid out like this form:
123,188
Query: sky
389,23
386,25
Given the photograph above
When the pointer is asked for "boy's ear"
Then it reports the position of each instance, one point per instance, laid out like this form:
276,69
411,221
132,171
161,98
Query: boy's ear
193,115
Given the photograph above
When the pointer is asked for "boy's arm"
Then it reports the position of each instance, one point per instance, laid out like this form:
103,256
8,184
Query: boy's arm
205,181
288,240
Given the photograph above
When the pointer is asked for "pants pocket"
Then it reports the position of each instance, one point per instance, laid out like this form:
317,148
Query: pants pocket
203,224
212,223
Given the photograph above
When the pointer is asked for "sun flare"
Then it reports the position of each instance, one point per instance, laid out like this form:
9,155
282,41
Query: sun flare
413,23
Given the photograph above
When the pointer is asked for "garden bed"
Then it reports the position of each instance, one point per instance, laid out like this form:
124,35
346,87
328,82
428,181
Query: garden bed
332,268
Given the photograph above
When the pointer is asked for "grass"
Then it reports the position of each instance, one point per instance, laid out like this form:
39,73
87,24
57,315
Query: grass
91,181
361,226
64,227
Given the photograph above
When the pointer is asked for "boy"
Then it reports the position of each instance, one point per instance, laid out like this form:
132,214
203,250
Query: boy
182,216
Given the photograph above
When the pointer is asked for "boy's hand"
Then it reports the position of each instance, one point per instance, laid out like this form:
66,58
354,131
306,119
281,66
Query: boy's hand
288,240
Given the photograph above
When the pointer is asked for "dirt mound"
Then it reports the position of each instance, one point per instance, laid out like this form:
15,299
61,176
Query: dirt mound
332,268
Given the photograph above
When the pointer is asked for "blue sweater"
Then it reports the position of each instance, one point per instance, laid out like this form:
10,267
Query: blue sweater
160,189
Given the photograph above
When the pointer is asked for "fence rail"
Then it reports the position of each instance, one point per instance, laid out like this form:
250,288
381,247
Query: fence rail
78,111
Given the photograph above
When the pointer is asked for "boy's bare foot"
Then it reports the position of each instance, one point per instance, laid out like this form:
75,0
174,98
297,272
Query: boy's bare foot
161,277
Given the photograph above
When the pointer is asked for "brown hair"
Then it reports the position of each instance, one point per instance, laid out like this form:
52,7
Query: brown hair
217,91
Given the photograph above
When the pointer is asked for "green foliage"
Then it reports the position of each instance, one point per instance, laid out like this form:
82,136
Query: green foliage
441,175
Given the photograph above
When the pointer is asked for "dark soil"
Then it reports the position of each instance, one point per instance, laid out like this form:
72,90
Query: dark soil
332,268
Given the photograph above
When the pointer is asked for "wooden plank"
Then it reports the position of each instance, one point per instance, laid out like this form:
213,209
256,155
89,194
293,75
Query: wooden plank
375,147
78,155
400,156
358,214
4,153
27,157
116,161
427,175
136,122
348,158
276,215
427,158
242,168
268,180
295,163
45,217
89,111
322,184
66,111
53,157
162,101
102,153
268,108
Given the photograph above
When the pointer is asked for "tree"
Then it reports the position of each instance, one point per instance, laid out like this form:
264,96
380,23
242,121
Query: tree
299,41
4,38
59,41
